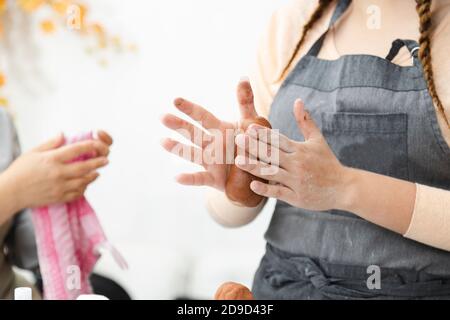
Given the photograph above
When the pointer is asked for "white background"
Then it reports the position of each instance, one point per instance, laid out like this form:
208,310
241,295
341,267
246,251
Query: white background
197,49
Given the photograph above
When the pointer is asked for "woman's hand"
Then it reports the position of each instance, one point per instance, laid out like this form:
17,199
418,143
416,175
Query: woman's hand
213,143
45,175
306,174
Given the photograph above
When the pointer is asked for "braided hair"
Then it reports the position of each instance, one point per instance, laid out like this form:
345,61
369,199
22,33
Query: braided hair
423,9
317,14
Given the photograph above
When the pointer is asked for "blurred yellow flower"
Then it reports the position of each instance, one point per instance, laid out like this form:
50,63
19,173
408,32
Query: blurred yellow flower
3,102
97,28
47,26
2,6
69,14
30,5
2,79
61,6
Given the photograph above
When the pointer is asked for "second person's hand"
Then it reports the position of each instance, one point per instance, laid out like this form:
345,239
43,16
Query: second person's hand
46,176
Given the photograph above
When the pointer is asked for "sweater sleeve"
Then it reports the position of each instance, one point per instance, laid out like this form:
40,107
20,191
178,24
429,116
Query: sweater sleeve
228,214
430,223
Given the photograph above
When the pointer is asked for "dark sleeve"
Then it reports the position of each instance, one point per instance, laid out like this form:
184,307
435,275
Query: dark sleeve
20,242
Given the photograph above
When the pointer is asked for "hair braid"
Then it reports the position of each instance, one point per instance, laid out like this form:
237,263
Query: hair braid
424,11
317,14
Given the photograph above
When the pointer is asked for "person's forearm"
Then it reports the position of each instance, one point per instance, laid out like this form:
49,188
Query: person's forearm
385,201
9,205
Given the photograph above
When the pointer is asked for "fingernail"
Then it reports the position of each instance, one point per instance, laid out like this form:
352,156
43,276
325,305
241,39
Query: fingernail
178,178
245,78
178,102
240,160
240,140
254,185
252,131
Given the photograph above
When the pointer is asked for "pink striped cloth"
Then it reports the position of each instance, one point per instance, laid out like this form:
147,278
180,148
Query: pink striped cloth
70,240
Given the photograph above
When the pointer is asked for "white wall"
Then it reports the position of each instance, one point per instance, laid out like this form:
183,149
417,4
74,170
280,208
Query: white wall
198,49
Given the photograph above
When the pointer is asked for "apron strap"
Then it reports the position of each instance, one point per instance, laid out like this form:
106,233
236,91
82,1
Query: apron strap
412,46
341,7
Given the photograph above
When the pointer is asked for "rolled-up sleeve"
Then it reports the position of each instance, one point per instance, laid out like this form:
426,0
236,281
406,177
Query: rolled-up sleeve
430,223
228,214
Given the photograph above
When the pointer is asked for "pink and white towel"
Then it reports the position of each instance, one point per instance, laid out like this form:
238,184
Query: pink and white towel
70,239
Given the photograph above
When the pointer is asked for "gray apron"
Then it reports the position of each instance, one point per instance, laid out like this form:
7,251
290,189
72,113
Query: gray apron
376,116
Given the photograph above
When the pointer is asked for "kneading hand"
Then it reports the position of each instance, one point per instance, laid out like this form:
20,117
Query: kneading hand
305,174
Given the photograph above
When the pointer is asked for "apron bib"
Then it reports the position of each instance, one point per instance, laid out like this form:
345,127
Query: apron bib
376,116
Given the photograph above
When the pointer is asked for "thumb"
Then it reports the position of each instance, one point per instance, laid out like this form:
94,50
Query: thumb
51,144
306,124
105,137
246,99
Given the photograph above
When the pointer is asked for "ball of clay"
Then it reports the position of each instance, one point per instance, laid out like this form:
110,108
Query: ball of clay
233,291
237,187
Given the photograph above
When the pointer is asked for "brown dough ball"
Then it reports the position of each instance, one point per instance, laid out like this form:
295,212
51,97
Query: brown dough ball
238,183
233,291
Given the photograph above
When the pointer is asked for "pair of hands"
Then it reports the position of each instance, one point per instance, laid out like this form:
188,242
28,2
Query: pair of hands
45,175
306,175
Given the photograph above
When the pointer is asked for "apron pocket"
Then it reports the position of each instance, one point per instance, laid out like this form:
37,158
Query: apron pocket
372,142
